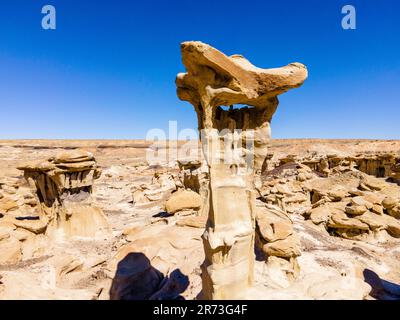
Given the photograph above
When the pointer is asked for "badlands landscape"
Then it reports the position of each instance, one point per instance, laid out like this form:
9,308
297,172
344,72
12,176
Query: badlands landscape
235,216
95,220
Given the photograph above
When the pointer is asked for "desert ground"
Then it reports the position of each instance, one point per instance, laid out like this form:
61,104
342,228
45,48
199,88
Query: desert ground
342,197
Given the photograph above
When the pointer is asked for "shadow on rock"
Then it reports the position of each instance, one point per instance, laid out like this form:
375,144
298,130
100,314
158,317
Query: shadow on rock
381,289
137,279
162,214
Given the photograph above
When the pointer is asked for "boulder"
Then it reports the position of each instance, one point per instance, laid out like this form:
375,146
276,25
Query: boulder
194,221
36,226
374,183
341,221
374,197
361,202
378,209
394,212
273,224
337,195
389,202
373,220
320,214
356,210
183,200
393,226
286,248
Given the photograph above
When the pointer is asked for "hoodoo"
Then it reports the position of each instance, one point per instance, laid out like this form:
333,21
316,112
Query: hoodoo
235,145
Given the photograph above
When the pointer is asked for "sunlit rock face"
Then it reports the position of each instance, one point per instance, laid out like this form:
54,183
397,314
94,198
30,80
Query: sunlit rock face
235,146
63,186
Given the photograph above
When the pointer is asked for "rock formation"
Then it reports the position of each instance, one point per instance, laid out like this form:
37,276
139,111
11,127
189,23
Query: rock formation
378,165
183,200
235,145
276,239
329,213
356,206
63,186
349,196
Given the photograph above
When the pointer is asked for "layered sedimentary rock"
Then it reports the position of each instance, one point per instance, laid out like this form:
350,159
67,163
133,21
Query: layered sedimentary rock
336,194
379,165
363,208
235,145
63,187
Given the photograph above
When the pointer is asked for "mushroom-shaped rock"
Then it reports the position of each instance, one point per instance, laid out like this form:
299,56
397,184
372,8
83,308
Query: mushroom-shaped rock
63,186
227,80
234,143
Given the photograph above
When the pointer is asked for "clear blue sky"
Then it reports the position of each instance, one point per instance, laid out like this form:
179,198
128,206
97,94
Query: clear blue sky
108,70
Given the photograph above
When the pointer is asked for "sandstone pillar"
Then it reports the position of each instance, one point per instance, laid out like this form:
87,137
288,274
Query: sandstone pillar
235,145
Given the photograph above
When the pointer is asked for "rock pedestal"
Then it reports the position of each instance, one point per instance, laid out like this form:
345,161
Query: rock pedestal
235,145
63,186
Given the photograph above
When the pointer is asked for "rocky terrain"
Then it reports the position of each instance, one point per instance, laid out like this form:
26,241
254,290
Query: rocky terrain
95,220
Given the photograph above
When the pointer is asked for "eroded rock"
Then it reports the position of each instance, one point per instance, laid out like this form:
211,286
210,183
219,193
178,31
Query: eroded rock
63,186
214,80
